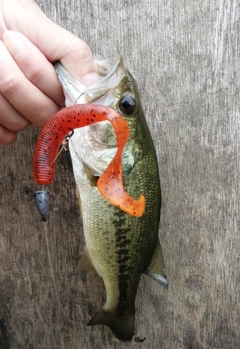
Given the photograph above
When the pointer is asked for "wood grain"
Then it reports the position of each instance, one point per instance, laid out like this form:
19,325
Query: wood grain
185,58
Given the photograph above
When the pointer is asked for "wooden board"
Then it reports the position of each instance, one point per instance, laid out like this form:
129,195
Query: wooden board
185,58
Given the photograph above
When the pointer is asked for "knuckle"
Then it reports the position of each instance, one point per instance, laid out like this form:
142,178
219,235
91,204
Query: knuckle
19,125
7,137
34,74
9,84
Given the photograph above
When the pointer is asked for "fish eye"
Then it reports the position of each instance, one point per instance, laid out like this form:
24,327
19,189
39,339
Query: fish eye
127,105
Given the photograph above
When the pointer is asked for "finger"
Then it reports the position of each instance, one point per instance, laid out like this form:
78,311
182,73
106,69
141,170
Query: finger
6,136
55,42
10,118
21,93
34,65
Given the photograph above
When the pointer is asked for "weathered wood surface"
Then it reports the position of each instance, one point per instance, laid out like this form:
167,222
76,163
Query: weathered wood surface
185,57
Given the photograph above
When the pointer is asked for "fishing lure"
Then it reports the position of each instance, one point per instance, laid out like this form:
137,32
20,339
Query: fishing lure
110,183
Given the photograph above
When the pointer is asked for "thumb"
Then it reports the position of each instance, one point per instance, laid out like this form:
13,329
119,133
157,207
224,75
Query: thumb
53,41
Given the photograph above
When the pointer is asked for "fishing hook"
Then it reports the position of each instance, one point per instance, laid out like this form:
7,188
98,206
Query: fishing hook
81,94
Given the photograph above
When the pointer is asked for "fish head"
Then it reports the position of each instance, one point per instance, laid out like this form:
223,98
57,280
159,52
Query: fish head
95,145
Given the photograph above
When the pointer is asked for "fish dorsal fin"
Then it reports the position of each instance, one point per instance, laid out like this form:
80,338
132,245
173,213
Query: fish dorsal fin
156,267
86,263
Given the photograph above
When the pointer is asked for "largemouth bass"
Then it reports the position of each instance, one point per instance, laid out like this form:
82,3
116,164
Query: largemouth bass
120,246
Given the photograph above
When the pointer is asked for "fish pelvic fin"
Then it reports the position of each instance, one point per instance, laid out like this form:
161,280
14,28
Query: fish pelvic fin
122,326
86,263
156,268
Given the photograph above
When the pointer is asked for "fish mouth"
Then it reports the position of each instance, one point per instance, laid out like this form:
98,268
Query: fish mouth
89,142
109,73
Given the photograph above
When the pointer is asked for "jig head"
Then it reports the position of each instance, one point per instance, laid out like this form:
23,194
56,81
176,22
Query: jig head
42,201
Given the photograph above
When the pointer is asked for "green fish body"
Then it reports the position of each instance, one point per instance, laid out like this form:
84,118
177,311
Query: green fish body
119,246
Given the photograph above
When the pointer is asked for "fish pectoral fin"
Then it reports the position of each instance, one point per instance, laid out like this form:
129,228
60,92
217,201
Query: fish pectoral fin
92,179
121,326
86,263
156,268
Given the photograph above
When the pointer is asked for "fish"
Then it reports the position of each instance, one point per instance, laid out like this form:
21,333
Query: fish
120,244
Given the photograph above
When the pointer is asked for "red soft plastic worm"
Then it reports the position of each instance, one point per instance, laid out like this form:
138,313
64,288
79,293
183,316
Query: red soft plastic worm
110,183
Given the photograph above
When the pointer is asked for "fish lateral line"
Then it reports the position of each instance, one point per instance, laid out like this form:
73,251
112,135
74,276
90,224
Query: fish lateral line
65,121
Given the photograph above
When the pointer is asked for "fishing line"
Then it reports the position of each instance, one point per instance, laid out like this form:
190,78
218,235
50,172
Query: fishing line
58,153
50,263
42,201
64,145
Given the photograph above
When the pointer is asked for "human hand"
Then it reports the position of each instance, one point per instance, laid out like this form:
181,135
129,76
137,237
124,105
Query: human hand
29,89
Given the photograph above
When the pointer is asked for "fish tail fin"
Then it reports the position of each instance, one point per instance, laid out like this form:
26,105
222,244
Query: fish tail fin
121,326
